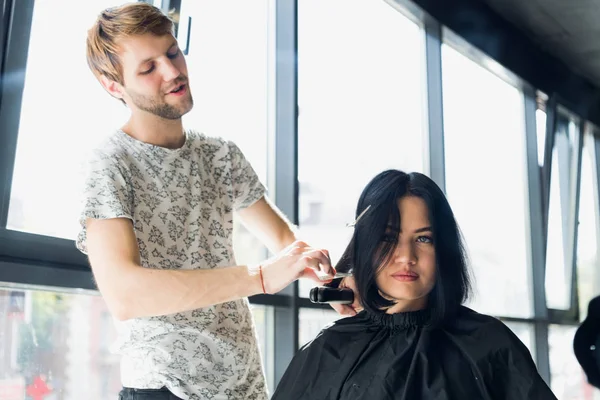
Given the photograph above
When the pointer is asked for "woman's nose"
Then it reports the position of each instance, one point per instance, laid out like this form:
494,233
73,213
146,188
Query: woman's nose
405,253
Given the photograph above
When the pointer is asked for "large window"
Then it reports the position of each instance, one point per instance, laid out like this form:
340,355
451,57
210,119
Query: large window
57,344
486,181
558,266
64,113
60,344
359,95
588,261
60,123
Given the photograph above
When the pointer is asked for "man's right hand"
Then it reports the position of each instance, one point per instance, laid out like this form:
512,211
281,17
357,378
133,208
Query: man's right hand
298,260
348,309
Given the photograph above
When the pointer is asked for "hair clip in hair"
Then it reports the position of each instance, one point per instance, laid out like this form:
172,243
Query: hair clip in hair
353,224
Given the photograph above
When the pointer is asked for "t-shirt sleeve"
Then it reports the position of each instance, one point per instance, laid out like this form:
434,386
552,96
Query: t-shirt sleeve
105,195
247,188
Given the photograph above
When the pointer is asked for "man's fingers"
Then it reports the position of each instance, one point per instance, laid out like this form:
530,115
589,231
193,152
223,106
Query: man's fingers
356,306
323,262
309,262
310,273
343,309
349,283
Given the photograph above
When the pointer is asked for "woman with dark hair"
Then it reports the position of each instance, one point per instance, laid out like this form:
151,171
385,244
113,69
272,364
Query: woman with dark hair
414,339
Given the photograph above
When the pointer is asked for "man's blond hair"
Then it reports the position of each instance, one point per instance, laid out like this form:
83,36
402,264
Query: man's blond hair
115,24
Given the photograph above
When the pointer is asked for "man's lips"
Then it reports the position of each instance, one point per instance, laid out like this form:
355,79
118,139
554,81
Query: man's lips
177,89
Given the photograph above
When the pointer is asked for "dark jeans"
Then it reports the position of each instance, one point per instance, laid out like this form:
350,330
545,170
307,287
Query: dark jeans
146,394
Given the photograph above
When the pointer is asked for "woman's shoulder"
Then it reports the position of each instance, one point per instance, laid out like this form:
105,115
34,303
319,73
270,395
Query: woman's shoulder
488,332
469,317
335,336
345,325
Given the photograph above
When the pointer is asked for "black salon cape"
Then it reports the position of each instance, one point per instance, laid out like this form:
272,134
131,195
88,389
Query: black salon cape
380,356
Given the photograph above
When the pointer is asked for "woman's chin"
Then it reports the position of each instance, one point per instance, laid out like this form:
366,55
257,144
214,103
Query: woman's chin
406,304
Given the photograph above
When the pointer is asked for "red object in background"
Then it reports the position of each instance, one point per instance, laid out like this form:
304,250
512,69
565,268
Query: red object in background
16,306
38,389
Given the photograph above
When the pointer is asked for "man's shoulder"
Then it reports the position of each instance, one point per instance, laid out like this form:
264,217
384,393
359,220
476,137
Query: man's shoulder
109,148
208,144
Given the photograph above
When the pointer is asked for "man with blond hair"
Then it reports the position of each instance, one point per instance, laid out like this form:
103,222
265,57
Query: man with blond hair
157,226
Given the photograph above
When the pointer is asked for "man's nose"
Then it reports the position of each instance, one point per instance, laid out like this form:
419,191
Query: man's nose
170,71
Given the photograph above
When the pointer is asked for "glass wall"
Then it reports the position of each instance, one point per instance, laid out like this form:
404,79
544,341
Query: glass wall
588,235
558,268
360,110
61,343
486,181
60,120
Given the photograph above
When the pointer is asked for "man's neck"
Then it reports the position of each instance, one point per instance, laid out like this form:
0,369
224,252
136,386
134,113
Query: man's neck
156,131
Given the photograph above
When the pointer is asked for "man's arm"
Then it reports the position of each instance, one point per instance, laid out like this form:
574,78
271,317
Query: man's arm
271,227
132,291
268,224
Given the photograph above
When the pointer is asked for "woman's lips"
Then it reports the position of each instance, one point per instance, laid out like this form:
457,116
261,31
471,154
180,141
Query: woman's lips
405,276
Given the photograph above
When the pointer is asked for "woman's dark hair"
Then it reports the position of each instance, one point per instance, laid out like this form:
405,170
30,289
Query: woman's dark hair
367,253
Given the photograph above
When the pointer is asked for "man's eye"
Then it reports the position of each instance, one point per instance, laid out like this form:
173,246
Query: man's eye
148,70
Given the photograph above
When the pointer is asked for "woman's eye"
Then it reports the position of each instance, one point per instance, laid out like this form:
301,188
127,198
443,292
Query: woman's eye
425,239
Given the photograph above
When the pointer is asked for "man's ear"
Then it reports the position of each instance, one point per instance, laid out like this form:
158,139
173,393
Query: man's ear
113,88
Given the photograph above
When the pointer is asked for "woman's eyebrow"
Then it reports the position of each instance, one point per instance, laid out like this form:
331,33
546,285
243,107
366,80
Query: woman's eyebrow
424,229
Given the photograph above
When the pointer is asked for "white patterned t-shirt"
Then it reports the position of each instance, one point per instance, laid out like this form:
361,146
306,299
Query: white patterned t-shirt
181,203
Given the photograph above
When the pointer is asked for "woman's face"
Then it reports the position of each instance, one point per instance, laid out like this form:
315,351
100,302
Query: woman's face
409,274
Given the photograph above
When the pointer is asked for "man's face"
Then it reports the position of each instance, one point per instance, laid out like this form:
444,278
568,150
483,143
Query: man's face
155,76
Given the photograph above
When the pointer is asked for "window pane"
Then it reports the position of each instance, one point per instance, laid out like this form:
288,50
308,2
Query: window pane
62,342
568,381
231,86
588,273
359,94
265,325
230,94
312,321
59,342
58,124
556,291
540,123
558,268
486,181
